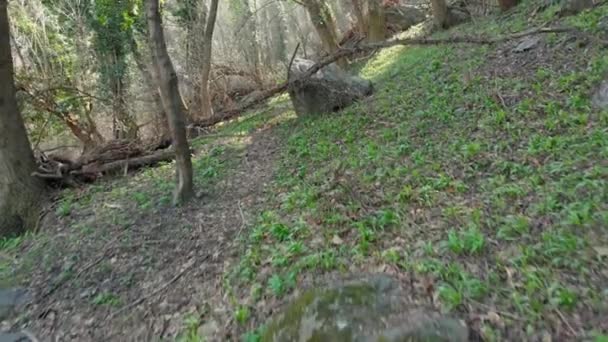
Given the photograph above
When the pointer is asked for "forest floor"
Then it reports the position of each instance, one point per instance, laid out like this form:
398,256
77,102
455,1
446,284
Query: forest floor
478,174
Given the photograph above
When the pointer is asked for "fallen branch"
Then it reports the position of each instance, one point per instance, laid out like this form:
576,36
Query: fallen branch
346,52
137,162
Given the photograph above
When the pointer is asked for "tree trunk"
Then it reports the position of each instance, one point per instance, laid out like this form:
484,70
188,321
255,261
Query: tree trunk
359,13
206,108
161,117
376,22
324,24
171,98
440,13
506,4
20,193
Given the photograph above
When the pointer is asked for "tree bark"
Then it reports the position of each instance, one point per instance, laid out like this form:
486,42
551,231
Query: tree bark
151,82
323,22
20,193
206,108
171,99
506,4
376,22
440,13
359,13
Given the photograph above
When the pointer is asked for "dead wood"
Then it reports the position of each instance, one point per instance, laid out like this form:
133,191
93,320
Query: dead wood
116,155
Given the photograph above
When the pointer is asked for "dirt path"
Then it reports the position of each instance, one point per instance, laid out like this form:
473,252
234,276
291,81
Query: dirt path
139,277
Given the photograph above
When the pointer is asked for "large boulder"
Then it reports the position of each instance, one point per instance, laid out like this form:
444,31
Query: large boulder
369,310
401,18
328,90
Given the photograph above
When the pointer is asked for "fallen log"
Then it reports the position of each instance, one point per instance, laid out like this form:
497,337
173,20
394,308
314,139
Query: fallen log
126,164
119,155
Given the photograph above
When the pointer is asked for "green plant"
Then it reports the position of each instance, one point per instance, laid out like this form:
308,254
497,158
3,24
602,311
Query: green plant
277,285
470,241
190,332
107,298
241,315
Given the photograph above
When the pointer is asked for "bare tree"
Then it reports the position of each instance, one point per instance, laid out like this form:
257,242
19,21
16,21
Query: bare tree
20,193
152,84
206,108
171,98
376,22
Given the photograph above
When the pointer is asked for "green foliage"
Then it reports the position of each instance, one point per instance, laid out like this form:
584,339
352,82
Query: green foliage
107,298
470,241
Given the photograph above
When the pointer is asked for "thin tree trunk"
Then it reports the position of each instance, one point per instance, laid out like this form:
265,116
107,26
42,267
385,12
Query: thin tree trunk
20,193
376,22
440,13
324,24
206,108
359,13
155,92
506,4
171,98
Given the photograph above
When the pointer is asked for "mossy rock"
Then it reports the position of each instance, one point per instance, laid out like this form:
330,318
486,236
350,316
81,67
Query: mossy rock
371,310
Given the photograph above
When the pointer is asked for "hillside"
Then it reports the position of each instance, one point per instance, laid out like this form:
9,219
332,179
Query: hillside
477,174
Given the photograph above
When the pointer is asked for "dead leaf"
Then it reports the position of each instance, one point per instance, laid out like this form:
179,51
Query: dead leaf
601,250
494,318
336,240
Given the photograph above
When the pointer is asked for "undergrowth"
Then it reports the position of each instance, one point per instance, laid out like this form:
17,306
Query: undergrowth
493,187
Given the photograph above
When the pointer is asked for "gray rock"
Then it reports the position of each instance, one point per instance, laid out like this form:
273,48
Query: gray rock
600,96
329,90
572,7
10,299
526,44
400,18
370,310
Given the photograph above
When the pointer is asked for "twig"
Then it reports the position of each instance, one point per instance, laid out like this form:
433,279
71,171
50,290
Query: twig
153,293
59,147
506,314
243,221
293,56
561,316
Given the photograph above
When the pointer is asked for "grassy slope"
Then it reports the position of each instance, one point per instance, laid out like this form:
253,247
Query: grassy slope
492,191
483,180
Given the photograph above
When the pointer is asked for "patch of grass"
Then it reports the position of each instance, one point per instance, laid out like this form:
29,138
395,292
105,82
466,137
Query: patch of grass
469,241
107,298
190,332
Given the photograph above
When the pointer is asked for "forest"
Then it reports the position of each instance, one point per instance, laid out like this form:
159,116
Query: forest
303,170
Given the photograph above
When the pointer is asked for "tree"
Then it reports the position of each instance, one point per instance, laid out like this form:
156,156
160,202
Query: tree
325,25
206,67
247,34
376,22
152,83
440,13
20,193
112,21
171,98
506,4
359,13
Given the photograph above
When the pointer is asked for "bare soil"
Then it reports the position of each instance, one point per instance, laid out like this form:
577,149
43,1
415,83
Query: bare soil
135,279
